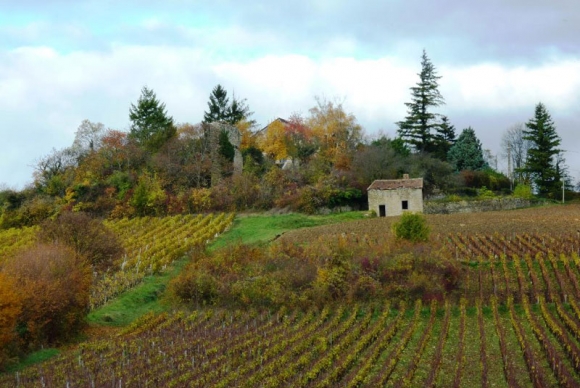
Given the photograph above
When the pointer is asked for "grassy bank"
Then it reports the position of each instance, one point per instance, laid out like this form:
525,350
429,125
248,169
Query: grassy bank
261,228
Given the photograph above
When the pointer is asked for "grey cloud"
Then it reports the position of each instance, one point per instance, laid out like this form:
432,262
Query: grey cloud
457,31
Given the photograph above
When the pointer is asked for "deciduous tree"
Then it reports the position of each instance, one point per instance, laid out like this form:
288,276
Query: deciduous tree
337,132
274,140
515,149
88,237
88,137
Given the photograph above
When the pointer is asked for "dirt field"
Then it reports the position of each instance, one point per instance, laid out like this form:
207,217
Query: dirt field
552,219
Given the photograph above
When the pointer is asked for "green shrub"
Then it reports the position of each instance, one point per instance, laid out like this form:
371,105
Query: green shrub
412,227
453,198
523,191
485,193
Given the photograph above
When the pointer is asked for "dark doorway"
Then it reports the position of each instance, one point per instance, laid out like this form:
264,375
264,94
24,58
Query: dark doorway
405,205
382,211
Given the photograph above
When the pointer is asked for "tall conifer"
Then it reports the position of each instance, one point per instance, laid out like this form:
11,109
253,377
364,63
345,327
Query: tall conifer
543,163
150,125
418,127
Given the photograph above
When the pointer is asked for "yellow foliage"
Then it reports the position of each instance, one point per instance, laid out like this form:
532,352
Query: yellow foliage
338,132
248,139
274,142
200,200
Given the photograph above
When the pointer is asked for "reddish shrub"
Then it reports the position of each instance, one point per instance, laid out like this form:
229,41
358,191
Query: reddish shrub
54,284
10,309
88,237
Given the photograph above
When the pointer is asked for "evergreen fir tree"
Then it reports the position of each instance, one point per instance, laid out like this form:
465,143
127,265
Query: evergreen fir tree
150,125
444,139
543,163
417,128
466,153
218,106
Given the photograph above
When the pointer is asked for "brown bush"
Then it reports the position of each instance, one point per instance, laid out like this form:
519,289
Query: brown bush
54,284
10,309
87,236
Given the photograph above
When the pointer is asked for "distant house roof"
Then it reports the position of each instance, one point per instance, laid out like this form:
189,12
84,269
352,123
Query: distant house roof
394,184
285,122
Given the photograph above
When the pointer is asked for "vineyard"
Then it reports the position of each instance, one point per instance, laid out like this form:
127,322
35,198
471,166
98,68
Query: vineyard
153,243
361,345
490,340
513,319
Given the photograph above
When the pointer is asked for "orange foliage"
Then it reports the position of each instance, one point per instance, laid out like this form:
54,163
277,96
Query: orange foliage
10,308
54,283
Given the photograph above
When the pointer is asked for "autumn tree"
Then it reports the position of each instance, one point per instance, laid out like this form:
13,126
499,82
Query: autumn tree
88,237
337,132
467,153
248,137
541,162
114,148
301,142
151,127
149,198
53,172
420,124
274,141
184,161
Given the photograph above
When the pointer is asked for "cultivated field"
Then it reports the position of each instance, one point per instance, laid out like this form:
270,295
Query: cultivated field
513,319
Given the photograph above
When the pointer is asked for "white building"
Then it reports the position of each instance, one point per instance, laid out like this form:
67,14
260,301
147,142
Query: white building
392,197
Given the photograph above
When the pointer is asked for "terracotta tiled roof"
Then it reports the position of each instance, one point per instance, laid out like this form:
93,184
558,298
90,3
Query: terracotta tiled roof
394,184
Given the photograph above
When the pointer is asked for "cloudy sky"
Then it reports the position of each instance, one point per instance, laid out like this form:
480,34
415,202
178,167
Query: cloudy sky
63,61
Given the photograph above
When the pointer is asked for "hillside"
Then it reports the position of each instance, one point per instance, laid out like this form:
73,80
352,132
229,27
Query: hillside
514,313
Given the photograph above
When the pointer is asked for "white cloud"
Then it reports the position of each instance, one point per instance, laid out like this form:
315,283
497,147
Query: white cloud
495,87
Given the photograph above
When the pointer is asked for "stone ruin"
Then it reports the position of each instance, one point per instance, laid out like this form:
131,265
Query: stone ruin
235,138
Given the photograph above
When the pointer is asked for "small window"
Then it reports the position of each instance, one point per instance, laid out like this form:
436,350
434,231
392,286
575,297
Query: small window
405,205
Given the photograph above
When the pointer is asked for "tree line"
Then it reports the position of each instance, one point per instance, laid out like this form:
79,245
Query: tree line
320,160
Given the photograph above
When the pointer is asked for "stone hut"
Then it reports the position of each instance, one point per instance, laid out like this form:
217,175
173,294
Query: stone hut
392,197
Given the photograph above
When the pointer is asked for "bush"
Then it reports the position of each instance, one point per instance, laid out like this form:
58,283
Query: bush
88,237
412,227
54,283
10,308
484,193
523,192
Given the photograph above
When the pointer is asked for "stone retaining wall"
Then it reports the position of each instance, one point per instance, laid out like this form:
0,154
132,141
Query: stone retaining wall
475,206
